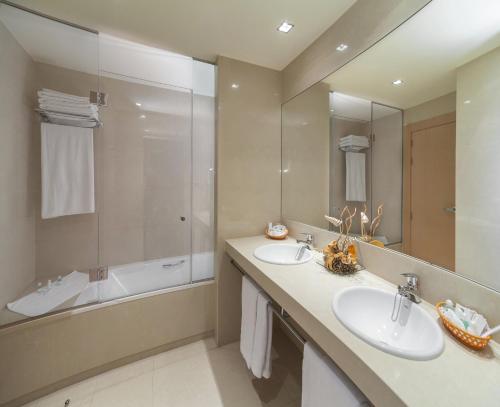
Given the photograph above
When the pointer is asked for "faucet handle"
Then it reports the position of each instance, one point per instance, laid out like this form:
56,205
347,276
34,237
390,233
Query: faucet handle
411,279
309,238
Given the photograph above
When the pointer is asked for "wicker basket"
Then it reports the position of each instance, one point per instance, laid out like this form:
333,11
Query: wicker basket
280,237
472,341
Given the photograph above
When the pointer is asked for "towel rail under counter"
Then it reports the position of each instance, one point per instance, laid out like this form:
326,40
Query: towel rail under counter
277,310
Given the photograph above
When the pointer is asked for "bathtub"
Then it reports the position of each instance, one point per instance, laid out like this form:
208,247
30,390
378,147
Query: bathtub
123,281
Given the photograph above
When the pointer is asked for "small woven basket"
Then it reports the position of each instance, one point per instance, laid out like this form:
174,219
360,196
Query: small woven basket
280,237
472,341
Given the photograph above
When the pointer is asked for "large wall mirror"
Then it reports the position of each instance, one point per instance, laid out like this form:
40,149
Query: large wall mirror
412,125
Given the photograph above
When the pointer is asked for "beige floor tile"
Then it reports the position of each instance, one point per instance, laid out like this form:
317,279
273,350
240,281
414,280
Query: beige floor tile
199,374
184,352
136,392
79,395
124,373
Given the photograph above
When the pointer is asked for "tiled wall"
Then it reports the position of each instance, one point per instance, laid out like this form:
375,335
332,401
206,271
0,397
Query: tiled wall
477,169
248,171
306,156
17,164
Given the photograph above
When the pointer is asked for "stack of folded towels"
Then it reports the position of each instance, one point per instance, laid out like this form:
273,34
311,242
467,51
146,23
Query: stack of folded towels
354,143
66,109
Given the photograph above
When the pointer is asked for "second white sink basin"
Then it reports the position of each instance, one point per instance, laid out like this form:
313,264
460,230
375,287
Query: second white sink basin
282,253
367,311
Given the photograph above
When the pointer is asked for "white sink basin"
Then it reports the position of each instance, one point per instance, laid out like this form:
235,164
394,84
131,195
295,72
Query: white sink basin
366,312
282,253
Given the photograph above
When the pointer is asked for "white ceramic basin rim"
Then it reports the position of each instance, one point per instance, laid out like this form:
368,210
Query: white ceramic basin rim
366,312
284,253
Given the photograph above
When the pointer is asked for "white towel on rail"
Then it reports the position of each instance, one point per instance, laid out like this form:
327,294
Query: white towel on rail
324,384
249,296
67,170
263,337
355,185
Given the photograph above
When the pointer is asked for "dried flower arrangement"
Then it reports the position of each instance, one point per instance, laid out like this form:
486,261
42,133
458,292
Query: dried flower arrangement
367,235
340,255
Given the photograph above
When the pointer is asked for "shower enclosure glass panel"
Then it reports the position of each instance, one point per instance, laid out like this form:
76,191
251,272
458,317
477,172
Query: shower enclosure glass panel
43,261
145,186
153,169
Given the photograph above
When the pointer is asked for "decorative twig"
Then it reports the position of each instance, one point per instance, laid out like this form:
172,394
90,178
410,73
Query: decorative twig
376,222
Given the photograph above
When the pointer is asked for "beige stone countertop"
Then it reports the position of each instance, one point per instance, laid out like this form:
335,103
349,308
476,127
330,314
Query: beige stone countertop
458,377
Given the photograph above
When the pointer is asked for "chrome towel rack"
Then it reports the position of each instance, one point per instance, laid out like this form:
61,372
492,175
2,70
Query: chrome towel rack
277,310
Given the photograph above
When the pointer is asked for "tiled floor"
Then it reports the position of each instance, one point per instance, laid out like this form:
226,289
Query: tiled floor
199,374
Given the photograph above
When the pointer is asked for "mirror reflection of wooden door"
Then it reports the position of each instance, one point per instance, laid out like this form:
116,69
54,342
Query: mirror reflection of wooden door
432,193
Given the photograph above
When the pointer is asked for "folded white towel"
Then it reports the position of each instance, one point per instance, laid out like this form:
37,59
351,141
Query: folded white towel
249,296
324,384
263,336
58,99
355,185
36,303
55,94
61,108
67,170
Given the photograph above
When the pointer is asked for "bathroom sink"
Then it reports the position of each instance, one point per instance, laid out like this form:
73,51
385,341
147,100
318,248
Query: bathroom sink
282,253
367,311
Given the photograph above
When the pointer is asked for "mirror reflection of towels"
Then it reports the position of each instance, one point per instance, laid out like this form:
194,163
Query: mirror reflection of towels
355,184
67,170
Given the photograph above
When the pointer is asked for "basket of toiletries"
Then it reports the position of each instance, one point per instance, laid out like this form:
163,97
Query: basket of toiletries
276,232
465,324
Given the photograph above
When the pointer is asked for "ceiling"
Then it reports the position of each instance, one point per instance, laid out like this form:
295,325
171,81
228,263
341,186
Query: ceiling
244,30
424,52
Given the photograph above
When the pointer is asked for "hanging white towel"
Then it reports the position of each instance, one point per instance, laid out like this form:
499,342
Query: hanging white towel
249,296
324,384
355,185
263,337
67,170
256,329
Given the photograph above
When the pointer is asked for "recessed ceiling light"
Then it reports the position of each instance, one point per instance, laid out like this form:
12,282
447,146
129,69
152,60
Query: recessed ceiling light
342,47
397,82
235,86
467,101
285,27
332,110
138,104
142,116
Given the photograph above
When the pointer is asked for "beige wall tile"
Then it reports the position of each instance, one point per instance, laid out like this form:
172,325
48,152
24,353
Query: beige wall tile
306,156
477,169
17,157
248,171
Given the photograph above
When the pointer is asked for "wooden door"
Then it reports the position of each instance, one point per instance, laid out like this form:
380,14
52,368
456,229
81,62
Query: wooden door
432,192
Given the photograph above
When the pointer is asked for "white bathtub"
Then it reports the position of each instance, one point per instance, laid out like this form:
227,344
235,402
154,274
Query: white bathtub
123,281
141,277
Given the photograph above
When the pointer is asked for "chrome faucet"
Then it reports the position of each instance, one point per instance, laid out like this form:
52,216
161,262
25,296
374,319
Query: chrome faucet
308,239
410,289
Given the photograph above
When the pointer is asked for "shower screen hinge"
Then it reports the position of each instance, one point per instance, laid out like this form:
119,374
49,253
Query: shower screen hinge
373,137
98,98
98,274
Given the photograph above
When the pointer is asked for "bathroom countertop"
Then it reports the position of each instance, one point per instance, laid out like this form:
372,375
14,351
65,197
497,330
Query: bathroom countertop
458,377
